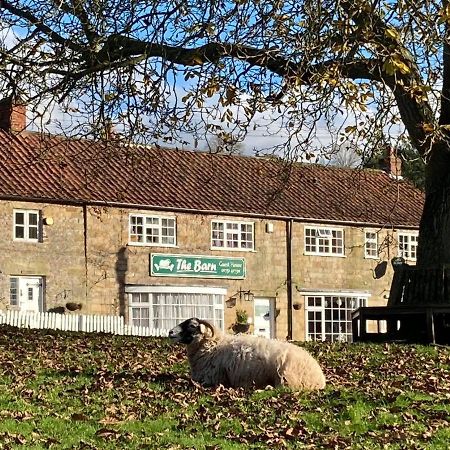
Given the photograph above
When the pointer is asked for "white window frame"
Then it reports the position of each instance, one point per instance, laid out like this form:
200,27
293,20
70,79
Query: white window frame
27,227
14,291
133,236
323,237
145,298
371,250
327,312
229,234
408,239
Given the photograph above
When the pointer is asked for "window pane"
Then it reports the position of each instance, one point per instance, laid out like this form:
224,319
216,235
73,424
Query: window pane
169,240
32,219
20,232
168,231
140,317
33,233
13,291
20,218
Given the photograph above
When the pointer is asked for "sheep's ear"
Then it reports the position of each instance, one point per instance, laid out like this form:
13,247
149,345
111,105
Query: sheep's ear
202,328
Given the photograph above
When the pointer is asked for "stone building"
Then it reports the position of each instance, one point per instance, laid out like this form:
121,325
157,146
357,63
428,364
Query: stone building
160,235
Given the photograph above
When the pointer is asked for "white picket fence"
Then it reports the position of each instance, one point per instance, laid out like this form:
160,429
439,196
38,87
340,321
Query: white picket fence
75,322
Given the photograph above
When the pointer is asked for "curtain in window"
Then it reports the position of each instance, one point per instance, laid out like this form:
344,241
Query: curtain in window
166,310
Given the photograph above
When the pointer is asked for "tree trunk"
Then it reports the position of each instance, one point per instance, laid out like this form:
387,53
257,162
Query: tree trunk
434,234
429,282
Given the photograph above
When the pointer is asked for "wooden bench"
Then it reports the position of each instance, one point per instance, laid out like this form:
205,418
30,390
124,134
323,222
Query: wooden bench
418,309
421,324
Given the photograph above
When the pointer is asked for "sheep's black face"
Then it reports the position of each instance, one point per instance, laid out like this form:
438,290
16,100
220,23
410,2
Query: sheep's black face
186,331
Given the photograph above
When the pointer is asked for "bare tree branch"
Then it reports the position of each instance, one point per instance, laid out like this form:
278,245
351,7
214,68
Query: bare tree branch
39,25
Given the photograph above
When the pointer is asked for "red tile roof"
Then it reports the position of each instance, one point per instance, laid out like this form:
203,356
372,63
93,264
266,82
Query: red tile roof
69,170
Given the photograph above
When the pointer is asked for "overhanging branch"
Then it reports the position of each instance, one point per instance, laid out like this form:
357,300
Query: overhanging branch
39,25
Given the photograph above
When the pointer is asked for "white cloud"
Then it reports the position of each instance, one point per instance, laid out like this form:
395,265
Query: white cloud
266,130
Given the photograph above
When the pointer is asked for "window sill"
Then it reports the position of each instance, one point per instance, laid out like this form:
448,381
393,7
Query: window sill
28,241
324,255
224,249
137,244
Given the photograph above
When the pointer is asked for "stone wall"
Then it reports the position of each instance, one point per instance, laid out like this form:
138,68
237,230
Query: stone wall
95,273
59,257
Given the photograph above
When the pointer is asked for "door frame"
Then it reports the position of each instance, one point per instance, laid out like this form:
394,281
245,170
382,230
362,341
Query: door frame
22,284
272,314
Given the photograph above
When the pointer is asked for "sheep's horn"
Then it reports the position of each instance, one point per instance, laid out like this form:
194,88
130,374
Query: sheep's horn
208,325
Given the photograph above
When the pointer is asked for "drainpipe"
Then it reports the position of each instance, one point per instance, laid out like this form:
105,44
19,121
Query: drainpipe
289,277
85,237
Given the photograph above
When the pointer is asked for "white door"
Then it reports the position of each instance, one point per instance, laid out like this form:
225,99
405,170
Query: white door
30,294
264,317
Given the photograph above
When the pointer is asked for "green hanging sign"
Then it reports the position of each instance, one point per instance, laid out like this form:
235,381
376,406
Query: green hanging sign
166,265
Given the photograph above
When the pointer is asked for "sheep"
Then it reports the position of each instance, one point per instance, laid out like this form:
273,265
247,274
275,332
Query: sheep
245,361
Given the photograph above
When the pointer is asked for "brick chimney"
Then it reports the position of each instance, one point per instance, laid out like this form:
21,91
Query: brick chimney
393,163
12,115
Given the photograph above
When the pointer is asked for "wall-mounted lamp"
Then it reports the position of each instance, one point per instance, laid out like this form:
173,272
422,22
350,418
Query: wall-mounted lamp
48,221
231,302
247,296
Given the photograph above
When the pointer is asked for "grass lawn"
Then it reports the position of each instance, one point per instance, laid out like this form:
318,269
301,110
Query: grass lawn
61,390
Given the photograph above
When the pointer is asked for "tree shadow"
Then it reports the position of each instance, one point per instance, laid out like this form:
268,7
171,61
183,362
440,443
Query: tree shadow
121,273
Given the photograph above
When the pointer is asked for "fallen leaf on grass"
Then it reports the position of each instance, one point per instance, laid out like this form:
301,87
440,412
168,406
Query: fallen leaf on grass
79,417
106,432
110,421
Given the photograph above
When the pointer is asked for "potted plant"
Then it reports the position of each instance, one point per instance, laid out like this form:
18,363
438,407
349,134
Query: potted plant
241,325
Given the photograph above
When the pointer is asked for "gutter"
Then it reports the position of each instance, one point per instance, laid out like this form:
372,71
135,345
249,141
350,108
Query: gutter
85,243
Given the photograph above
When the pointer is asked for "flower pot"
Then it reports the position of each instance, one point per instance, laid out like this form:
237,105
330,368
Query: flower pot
241,327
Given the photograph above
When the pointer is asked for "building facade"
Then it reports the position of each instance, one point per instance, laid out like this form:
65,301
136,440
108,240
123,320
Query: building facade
161,235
